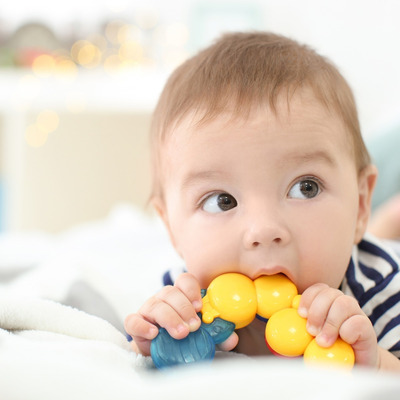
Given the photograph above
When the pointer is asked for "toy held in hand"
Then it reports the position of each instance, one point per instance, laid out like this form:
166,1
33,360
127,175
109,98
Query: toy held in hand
197,346
286,335
231,302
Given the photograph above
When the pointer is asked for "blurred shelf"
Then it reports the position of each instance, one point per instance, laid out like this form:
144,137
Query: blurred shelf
87,90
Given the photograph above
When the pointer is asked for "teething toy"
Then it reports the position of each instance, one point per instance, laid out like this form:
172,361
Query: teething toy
231,302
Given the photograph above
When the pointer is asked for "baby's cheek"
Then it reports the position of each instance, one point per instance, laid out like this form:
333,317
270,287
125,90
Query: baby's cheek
328,266
206,263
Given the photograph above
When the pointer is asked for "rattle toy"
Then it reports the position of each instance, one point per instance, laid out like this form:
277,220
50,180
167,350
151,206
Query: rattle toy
231,302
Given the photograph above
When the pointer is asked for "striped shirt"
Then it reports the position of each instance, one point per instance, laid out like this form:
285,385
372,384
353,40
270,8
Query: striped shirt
373,279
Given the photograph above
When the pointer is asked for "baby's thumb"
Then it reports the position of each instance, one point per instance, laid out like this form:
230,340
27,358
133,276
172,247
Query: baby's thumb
230,343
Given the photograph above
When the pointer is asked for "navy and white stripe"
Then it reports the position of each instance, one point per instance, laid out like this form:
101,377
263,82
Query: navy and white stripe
171,275
373,278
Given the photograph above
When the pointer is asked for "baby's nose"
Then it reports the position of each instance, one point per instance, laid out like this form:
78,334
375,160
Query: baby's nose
266,229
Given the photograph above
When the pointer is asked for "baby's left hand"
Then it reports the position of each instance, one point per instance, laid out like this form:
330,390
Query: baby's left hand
330,313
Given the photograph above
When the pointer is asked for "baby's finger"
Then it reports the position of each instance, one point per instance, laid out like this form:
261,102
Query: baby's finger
161,314
189,285
142,332
359,333
172,310
308,297
320,308
182,306
230,343
141,346
342,308
135,325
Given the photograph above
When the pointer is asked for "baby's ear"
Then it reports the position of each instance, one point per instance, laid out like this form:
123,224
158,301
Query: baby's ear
159,206
366,183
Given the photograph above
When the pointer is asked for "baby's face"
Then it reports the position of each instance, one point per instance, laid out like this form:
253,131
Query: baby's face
277,193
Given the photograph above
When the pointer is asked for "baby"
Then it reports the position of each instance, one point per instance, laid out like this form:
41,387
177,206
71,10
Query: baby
260,168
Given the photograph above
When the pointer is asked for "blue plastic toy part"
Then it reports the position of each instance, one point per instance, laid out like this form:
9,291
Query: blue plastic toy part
197,346
219,329
167,351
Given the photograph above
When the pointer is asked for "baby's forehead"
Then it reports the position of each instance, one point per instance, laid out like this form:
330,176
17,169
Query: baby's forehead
302,108
301,133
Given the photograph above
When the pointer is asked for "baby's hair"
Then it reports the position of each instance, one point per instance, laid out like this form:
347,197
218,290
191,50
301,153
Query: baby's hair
243,70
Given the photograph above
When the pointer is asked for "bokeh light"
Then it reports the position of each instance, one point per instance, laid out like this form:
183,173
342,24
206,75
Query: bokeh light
99,41
43,64
34,136
124,40
131,51
66,67
86,54
112,64
47,121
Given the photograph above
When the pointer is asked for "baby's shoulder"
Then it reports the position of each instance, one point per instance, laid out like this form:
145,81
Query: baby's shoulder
373,254
373,271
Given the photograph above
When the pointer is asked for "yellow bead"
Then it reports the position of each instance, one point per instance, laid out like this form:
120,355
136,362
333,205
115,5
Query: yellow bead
274,293
286,333
340,354
296,301
231,297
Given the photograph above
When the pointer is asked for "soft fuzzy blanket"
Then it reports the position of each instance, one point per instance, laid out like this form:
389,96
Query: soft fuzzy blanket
63,299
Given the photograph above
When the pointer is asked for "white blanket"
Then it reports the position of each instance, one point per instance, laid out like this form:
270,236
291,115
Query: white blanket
48,350
63,299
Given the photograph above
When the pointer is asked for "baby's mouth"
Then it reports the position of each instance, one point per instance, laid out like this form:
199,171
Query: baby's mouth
278,270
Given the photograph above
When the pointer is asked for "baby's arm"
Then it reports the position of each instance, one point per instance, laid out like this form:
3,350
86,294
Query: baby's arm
330,313
173,308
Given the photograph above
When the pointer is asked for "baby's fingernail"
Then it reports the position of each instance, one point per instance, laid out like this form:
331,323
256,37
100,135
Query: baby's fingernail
302,312
153,332
312,330
197,304
323,340
194,324
180,328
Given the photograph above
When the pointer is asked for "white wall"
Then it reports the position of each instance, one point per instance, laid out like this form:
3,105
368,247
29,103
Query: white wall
362,37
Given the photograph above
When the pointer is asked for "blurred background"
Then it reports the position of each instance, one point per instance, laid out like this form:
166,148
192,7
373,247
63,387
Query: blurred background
79,80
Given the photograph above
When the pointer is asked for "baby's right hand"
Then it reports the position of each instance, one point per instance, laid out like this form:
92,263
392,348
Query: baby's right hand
174,308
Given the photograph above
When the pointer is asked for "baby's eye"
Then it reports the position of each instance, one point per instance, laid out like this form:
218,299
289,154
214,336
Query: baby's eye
219,202
304,189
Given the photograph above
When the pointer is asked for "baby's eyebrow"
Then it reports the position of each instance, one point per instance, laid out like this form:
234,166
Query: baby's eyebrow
310,156
191,178
194,177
